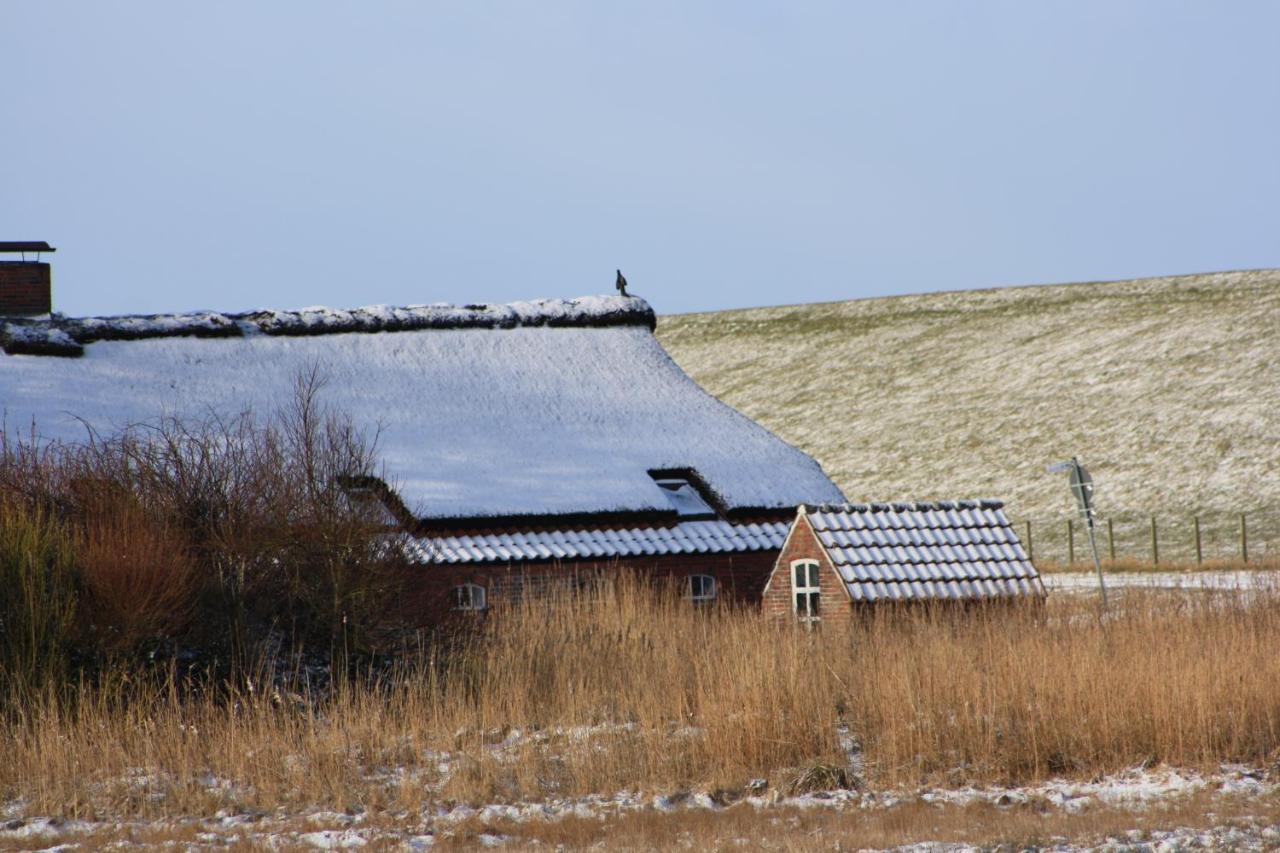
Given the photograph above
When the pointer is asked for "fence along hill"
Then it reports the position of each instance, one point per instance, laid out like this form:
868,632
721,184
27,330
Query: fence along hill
1168,388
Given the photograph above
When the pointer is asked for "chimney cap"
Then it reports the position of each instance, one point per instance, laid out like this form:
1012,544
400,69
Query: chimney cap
26,246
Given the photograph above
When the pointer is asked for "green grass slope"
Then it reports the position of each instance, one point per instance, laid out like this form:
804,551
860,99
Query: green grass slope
1167,388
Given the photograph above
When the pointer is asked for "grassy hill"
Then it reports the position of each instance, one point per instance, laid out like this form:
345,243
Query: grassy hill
1167,388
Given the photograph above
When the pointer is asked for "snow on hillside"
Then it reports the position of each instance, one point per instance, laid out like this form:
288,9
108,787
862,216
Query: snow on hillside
1168,389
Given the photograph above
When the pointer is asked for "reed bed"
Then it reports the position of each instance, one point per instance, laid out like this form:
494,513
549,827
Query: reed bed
626,688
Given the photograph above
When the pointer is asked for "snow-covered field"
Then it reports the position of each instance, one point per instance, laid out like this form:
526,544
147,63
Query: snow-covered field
1165,387
1136,791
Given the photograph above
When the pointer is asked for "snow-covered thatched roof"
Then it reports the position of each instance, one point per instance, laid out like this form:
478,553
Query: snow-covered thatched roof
535,408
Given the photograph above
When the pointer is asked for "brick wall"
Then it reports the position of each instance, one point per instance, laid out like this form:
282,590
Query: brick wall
739,577
802,544
24,289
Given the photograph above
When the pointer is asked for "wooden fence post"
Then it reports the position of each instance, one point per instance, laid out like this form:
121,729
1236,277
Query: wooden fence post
1111,540
1155,544
1031,554
1071,543
1244,540
1195,519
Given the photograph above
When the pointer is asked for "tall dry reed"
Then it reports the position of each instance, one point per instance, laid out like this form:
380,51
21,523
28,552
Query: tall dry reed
37,597
626,687
1013,695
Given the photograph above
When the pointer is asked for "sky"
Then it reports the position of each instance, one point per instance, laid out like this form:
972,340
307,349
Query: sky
238,155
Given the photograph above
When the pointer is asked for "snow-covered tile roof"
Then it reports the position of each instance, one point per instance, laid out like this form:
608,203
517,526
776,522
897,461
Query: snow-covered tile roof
688,537
549,407
913,551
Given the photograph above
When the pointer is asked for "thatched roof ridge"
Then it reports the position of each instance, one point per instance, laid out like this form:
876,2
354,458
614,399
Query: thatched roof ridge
66,336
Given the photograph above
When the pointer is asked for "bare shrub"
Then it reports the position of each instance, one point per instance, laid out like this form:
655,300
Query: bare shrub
342,572
139,578
249,518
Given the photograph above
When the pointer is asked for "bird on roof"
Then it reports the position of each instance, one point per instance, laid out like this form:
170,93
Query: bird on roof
621,284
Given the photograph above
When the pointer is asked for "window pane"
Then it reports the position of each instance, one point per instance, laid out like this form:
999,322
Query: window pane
797,576
813,603
701,586
468,596
802,604
813,575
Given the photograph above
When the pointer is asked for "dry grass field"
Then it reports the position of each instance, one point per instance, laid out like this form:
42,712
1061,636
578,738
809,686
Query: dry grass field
1165,387
628,690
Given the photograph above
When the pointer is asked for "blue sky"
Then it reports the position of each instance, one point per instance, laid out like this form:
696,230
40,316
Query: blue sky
239,154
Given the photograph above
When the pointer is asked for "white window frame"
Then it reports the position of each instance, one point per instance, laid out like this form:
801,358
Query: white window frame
705,597
809,590
477,598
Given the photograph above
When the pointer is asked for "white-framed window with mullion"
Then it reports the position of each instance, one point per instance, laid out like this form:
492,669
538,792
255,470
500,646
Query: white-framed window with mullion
469,596
806,590
700,589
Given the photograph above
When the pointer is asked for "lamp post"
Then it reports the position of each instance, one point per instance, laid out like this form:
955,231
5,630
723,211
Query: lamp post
1082,488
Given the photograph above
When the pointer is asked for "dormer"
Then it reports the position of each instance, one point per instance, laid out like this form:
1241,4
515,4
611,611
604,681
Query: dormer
686,493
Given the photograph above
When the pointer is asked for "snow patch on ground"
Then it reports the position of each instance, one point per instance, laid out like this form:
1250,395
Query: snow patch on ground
1134,790
331,839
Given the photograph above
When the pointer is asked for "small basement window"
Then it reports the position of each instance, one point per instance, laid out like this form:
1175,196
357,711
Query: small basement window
684,498
469,596
806,595
700,589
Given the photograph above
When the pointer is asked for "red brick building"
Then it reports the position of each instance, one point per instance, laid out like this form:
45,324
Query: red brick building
527,447
839,558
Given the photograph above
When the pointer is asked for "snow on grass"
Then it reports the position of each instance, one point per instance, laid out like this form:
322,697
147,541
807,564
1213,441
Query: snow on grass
330,839
1163,387
1135,790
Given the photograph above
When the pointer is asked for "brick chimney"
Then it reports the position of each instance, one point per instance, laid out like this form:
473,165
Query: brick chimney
26,288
